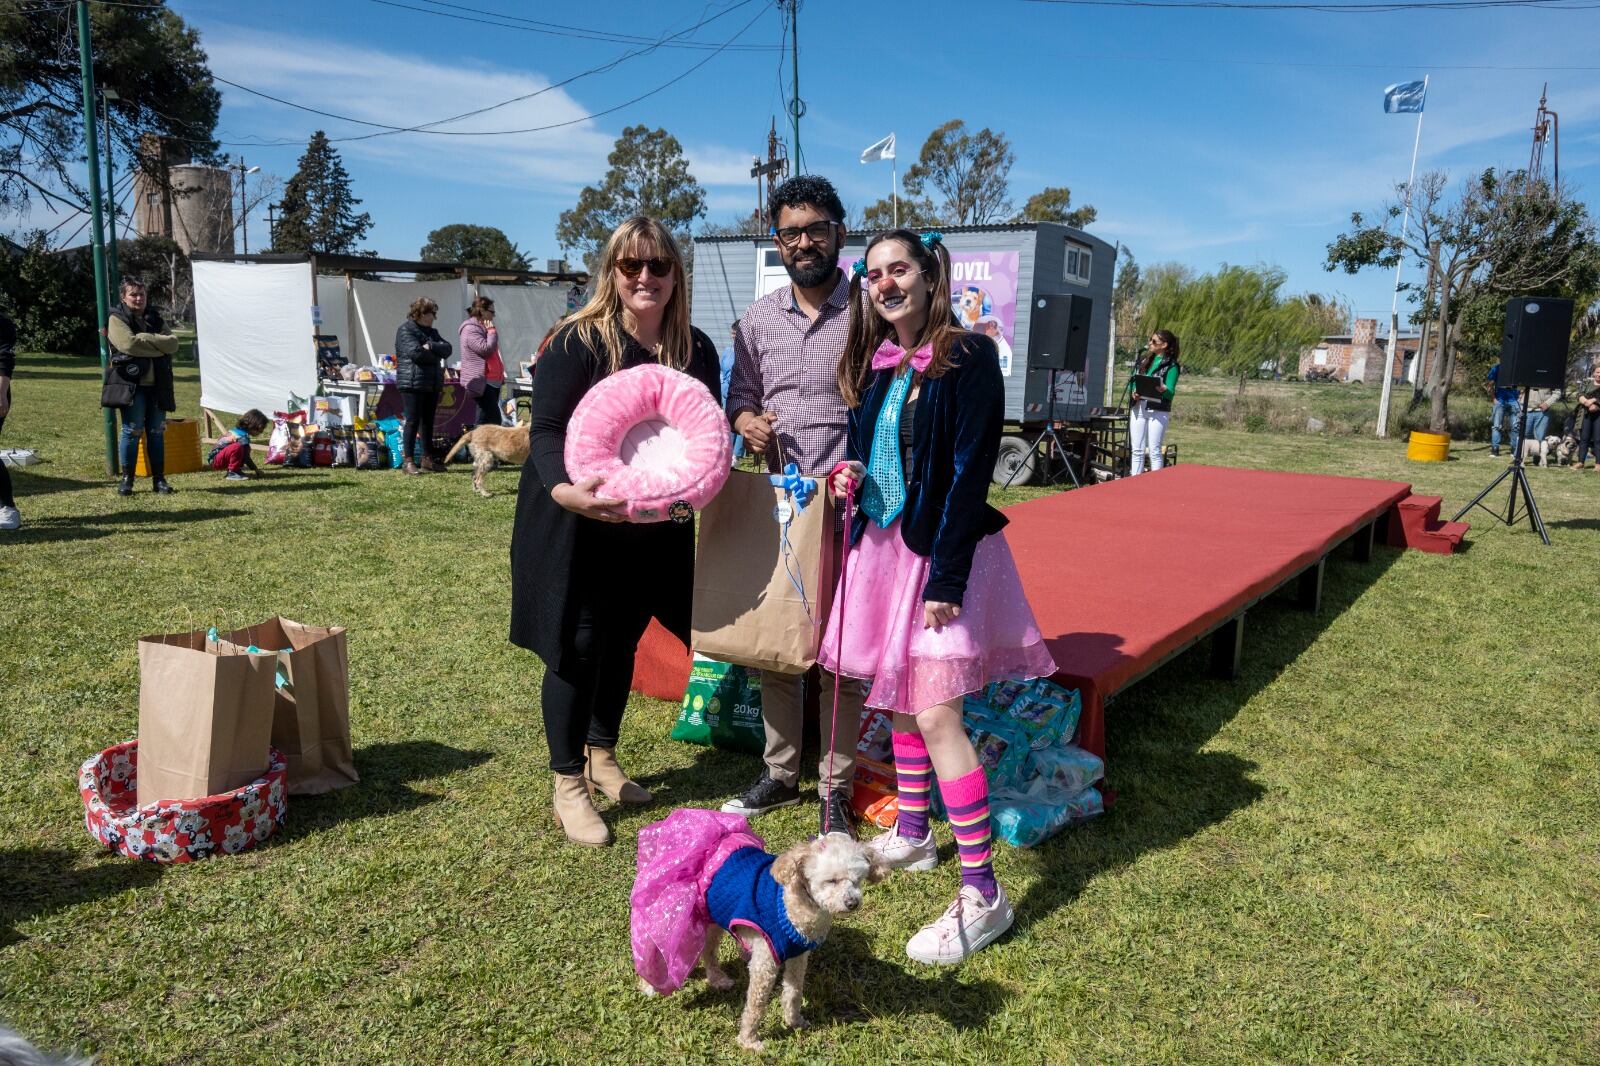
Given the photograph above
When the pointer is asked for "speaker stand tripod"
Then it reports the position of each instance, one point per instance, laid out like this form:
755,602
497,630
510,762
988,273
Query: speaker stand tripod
1519,483
1048,432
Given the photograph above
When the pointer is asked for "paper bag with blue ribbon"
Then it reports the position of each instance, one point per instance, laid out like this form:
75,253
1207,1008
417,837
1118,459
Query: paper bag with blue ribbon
763,577
311,704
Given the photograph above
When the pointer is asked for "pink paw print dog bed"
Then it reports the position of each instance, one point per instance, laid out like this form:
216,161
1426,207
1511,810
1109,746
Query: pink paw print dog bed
657,437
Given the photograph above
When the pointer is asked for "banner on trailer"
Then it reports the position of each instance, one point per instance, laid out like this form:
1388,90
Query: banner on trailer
983,294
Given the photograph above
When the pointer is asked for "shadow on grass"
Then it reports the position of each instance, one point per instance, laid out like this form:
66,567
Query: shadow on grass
387,773
1168,787
28,484
1575,523
846,984
36,881
91,527
267,484
714,777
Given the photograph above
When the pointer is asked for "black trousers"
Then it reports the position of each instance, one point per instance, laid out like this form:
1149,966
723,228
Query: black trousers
1589,438
6,499
583,703
420,407
489,406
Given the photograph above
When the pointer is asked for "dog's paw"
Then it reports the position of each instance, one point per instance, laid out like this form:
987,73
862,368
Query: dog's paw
751,1043
796,1021
719,980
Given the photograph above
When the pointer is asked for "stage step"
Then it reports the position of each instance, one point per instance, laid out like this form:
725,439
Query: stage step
1415,523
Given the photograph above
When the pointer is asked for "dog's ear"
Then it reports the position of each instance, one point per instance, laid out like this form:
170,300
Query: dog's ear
789,868
877,869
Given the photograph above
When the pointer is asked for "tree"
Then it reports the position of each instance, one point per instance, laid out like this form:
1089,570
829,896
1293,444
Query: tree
462,242
649,176
143,51
914,213
970,172
318,206
1234,320
1501,234
1330,313
1054,204
51,296
1127,301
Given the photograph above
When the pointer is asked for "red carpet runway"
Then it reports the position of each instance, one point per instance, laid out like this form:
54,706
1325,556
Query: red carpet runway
1123,575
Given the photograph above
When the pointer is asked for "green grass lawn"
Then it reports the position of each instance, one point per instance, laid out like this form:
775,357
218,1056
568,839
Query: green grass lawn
1381,844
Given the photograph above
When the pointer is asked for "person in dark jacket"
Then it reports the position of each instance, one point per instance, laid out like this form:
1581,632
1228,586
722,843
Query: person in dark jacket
419,355
139,339
585,582
10,517
930,594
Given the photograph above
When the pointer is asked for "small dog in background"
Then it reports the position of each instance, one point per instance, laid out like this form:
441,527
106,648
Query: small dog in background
1540,449
701,873
16,1051
491,445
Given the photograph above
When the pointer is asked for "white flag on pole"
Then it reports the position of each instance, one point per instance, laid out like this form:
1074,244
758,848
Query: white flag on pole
884,149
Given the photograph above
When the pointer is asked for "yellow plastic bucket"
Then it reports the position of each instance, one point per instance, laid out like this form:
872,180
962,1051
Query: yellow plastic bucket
183,448
1428,447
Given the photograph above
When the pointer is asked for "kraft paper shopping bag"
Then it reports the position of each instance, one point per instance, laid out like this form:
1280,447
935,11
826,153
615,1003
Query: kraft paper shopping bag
205,717
311,706
763,575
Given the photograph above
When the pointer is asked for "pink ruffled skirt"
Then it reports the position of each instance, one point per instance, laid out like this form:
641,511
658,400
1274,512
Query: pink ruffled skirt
911,668
677,858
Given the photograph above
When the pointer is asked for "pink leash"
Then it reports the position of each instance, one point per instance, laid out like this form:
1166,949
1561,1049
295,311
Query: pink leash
838,649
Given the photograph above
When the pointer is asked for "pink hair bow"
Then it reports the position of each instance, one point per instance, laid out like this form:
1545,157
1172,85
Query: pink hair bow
890,355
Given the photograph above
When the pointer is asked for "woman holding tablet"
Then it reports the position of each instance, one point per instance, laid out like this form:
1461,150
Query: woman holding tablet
1150,407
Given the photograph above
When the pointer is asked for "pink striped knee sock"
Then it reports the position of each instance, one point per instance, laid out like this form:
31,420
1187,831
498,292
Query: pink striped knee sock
966,800
913,772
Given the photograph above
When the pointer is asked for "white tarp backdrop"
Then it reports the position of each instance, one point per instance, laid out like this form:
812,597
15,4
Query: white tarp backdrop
378,307
253,324
522,314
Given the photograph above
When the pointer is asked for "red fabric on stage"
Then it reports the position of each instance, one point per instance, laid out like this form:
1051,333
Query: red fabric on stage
1121,574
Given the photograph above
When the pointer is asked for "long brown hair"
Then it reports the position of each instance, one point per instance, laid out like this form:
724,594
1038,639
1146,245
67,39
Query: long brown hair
599,323
868,329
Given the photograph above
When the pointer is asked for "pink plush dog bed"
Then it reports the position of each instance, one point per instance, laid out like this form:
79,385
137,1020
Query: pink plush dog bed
657,437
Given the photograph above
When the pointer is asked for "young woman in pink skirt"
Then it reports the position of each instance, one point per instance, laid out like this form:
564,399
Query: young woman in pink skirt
931,606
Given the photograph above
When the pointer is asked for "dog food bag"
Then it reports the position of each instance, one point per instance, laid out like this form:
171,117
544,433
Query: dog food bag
1046,712
1023,819
722,708
1064,768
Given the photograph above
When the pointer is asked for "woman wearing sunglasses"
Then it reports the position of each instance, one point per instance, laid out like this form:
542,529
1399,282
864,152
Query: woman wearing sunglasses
931,604
585,582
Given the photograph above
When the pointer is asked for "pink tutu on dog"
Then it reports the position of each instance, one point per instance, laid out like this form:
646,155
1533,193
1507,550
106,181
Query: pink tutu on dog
995,638
678,856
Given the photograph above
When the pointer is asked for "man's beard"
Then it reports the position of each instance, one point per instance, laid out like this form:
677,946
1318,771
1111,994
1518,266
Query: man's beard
812,274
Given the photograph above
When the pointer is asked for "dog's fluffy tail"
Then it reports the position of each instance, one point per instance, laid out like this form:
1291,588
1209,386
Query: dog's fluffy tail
462,443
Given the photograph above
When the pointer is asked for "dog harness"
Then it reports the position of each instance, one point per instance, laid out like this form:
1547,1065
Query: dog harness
744,892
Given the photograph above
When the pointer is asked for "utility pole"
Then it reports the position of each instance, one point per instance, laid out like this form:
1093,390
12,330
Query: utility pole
106,96
797,106
775,168
244,207
96,222
272,224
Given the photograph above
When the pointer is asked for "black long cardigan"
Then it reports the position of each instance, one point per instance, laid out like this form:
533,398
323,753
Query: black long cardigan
652,564
955,442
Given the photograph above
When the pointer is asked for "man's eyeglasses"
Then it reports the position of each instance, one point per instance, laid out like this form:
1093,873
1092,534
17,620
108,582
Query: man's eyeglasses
631,268
789,236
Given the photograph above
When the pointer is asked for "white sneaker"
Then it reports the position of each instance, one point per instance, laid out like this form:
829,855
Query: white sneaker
10,518
970,924
903,853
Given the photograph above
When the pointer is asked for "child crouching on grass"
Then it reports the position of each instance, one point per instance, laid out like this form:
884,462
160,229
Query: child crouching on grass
232,452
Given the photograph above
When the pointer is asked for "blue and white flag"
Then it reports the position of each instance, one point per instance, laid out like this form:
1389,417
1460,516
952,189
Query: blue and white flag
1408,96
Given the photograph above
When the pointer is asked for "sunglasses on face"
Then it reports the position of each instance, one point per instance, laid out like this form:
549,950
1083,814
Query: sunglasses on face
631,268
789,236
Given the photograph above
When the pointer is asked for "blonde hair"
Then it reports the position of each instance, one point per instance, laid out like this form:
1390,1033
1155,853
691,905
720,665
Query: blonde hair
599,323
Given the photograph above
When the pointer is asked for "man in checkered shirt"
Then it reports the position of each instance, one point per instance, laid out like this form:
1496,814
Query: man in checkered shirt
784,401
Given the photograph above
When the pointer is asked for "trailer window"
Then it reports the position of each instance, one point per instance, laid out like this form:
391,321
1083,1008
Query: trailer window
1077,263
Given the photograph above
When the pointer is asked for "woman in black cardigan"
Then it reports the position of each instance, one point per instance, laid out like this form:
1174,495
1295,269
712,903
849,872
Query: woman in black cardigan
419,354
585,582
931,607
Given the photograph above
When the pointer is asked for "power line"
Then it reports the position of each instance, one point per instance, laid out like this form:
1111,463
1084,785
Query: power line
1357,7
387,130
555,29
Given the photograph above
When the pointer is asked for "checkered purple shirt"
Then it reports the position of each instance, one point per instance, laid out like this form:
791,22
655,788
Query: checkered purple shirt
786,363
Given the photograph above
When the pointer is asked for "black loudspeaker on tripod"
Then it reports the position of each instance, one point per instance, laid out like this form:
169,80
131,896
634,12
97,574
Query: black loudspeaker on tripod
1533,355
1533,348
1058,332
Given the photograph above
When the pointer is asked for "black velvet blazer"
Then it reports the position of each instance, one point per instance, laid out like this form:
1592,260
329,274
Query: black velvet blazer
955,441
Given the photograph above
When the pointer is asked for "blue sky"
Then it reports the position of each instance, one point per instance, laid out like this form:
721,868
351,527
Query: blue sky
1201,136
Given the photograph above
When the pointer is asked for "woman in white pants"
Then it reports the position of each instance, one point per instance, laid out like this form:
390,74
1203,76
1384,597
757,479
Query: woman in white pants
1147,418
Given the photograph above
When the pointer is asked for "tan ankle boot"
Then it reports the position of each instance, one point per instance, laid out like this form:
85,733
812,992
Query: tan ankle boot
575,813
604,773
